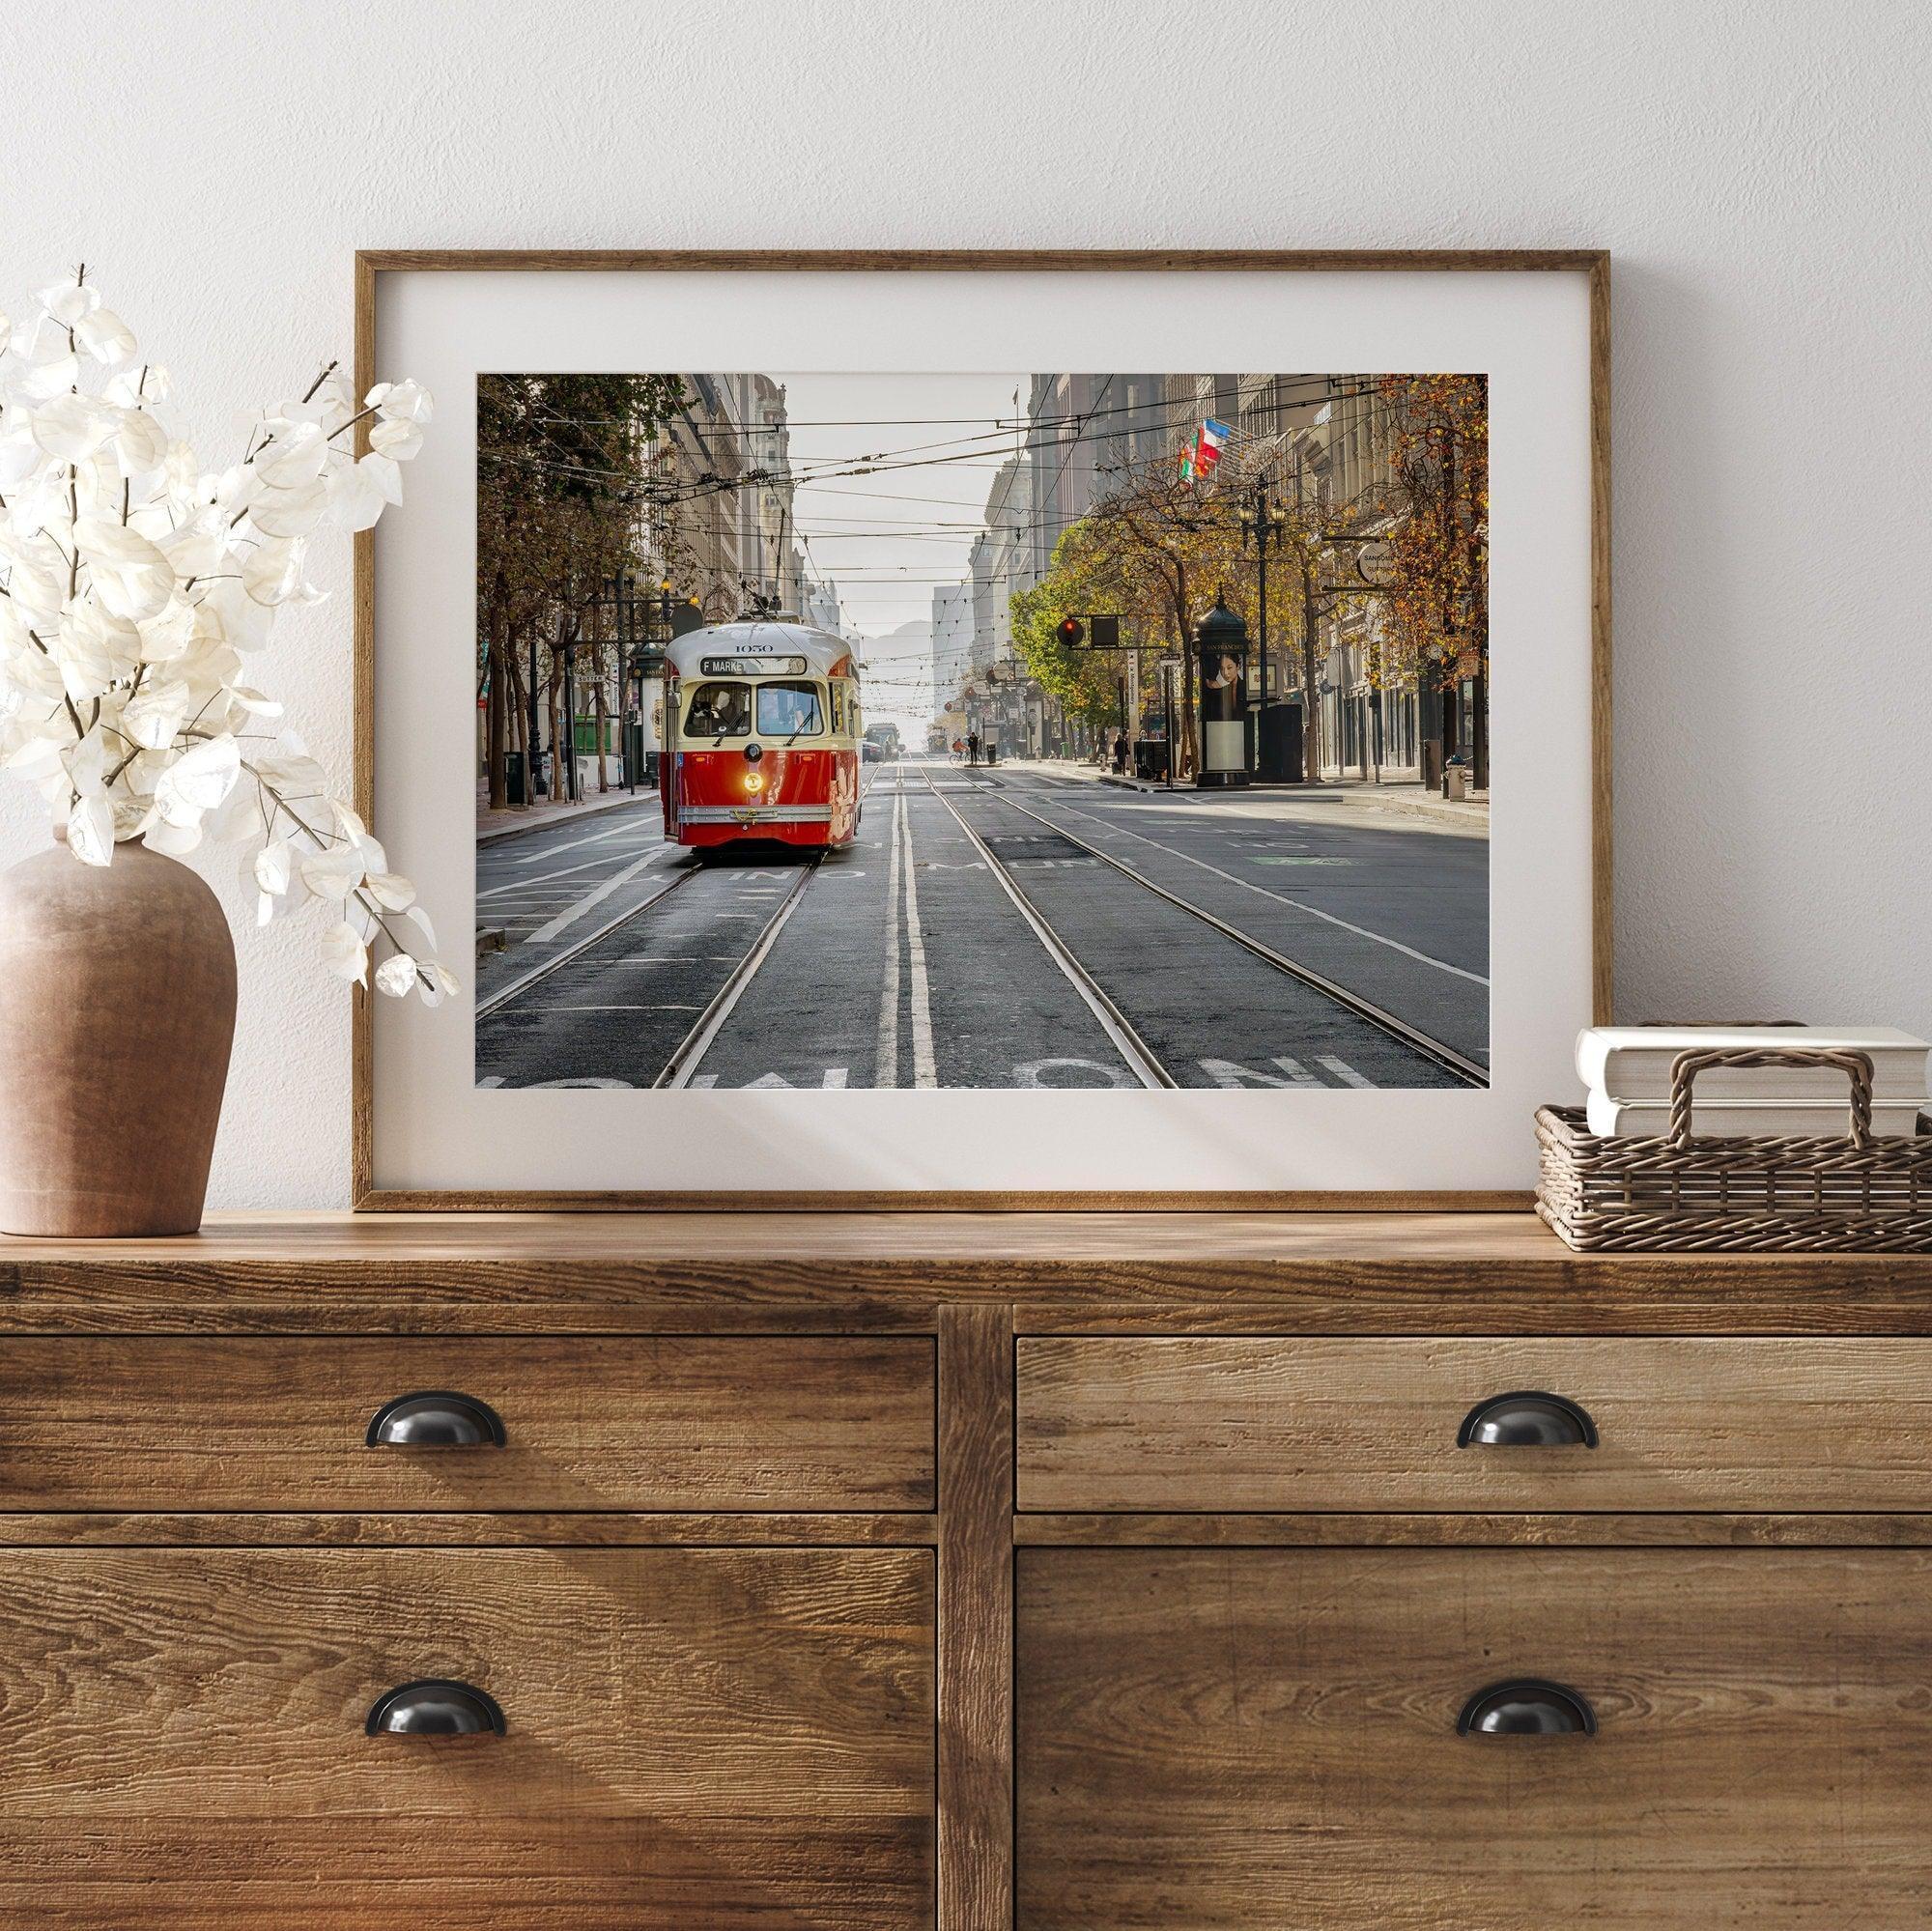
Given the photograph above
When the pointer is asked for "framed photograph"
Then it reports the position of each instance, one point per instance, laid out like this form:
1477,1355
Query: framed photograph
912,730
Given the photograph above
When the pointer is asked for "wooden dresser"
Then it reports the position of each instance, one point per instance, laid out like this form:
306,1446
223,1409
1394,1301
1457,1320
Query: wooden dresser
847,1572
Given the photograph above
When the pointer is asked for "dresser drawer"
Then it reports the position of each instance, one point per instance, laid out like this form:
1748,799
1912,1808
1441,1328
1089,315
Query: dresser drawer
1283,1424
1220,1740
693,1737
672,1422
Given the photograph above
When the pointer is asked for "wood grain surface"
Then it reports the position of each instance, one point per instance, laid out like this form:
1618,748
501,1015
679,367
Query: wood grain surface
1435,1529
746,1578
1242,1737
950,261
976,1620
474,1528
731,1738
1357,1423
1361,1273
789,1421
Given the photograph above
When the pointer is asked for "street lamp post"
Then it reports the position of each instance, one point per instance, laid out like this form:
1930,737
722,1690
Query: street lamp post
1167,715
626,589
532,749
569,746
642,666
1261,524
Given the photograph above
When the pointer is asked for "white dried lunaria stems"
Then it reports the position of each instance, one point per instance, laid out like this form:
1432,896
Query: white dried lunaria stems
132,584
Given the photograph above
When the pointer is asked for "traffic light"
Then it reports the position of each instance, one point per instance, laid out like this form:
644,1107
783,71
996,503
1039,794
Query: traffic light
1106,633
1072,633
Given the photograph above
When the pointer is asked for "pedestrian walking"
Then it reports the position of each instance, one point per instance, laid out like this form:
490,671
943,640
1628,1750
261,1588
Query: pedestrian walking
1121,753
972,747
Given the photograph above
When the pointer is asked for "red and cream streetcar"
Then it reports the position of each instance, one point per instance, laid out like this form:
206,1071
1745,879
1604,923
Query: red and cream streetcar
761,734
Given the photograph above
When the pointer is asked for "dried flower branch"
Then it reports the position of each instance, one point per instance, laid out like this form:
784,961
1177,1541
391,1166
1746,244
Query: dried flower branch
132,582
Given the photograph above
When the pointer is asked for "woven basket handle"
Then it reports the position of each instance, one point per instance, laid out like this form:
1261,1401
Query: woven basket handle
1685,1067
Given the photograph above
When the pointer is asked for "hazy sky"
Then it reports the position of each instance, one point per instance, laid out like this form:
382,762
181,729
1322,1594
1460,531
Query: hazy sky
887,539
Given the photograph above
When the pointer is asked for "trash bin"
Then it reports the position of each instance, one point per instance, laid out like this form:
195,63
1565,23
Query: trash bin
513,777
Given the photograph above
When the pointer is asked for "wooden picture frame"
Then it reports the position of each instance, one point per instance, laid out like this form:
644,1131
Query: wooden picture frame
372,266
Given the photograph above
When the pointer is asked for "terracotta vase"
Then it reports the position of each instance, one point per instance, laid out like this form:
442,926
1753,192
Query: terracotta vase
117,1010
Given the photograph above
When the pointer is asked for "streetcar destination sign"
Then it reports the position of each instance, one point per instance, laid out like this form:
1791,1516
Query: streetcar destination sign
752,667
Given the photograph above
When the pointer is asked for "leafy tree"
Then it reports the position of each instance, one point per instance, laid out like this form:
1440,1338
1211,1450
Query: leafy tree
1435,614
1158,550
1081,680
561,464
1155,551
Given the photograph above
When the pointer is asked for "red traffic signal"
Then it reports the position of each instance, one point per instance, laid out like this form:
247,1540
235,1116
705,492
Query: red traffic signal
1071,632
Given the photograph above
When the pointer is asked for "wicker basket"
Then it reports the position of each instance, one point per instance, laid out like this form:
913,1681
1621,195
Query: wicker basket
1850,1194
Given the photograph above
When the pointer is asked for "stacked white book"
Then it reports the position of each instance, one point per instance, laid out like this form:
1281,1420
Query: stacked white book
1627,1070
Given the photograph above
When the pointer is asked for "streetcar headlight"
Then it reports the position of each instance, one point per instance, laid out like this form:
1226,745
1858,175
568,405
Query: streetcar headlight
753,782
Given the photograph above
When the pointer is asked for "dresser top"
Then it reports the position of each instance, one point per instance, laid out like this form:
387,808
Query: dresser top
946,1238
1423,1272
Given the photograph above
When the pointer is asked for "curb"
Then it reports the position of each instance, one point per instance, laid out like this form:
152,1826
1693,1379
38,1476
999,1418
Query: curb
1210,794
500,833
1475,821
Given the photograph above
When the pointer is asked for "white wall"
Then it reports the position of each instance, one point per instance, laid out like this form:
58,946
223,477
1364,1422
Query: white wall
1758,170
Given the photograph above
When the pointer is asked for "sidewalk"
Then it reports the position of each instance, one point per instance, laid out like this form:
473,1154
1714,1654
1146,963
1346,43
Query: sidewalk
492,827
1472,814
1472,811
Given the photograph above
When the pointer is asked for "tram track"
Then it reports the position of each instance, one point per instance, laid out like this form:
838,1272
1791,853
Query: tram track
1444,1057
538,974
587,976
525,982
1142,1061
689,1051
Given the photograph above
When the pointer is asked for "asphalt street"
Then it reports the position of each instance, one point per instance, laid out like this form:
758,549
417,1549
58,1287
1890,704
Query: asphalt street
542,891
975,935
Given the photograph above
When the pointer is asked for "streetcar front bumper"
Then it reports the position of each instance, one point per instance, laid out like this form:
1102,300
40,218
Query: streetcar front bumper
748,815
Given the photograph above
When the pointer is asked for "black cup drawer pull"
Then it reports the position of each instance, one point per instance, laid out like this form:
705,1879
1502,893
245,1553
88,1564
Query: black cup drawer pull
1527,1418
1527,1707
434,1705
436,1418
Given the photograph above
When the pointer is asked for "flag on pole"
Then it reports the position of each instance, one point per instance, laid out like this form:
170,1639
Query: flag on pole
1187,463
1214,434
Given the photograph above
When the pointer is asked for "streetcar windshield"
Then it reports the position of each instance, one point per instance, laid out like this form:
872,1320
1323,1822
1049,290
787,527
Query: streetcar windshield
789,710
718,711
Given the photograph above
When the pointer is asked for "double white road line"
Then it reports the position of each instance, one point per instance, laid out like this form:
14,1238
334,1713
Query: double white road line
902,886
